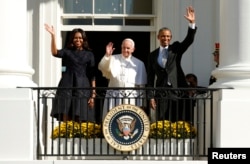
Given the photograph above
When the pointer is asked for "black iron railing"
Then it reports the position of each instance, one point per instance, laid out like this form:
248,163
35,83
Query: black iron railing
182,132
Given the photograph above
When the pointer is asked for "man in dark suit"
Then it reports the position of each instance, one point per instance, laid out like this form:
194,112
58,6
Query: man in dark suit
168,73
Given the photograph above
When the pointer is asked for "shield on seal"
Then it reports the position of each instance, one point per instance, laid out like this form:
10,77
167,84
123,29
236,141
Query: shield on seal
126,127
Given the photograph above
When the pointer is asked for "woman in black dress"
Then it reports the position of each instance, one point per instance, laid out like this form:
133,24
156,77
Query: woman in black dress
79,72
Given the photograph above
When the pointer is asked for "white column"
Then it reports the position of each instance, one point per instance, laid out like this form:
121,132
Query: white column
232,108
14,61
234,69
17,113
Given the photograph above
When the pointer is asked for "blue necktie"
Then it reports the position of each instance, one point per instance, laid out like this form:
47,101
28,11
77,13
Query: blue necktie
164,57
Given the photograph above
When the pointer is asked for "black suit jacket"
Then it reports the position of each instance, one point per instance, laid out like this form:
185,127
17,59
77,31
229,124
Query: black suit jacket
173,72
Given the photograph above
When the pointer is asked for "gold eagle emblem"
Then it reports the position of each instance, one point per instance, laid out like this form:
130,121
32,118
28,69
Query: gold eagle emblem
126,127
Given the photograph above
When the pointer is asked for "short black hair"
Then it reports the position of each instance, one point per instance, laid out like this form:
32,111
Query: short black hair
191,75
164,29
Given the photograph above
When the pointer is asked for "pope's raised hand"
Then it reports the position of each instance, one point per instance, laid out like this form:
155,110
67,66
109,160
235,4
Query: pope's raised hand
109,49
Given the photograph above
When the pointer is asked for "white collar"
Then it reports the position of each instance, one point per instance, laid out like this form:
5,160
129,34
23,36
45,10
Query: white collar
126,59
161,48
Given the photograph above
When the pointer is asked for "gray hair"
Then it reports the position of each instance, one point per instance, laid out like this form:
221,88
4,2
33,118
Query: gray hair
130,40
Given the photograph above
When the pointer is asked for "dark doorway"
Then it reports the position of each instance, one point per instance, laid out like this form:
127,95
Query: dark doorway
98,42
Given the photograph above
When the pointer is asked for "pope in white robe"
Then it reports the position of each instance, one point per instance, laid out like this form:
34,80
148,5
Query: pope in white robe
123,70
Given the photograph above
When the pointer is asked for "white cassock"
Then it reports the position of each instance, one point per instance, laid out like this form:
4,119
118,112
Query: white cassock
123,72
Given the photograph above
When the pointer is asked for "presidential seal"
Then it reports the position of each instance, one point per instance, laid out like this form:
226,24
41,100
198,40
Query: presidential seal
126,127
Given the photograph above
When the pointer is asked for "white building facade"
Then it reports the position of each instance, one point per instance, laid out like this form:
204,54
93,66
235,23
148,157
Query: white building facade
26,61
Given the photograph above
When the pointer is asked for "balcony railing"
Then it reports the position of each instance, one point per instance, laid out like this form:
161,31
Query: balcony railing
186,137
